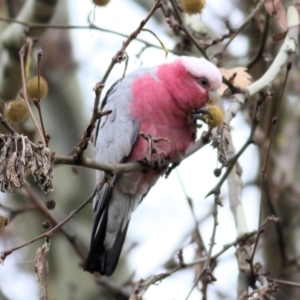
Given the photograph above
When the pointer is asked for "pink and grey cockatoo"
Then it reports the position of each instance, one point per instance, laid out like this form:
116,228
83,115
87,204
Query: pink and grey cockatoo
151,108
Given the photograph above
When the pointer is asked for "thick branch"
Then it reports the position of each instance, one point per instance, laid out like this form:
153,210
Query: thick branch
287,49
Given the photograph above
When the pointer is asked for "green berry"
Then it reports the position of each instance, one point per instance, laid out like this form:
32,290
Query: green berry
16,111
32,88
192,6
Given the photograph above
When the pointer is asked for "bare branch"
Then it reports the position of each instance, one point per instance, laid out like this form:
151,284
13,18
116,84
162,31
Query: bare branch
186,31
49,233
244,24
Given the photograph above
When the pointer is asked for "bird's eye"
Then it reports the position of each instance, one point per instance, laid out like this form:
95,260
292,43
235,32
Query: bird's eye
203,82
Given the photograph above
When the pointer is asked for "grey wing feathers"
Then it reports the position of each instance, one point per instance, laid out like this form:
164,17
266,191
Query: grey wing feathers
116,133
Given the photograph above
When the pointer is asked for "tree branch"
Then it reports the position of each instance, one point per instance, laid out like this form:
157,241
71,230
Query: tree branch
49,233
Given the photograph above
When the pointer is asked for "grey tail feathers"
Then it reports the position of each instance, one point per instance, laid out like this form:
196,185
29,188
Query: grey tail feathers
99,259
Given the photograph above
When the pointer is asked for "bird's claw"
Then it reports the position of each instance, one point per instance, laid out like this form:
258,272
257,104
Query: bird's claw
155,156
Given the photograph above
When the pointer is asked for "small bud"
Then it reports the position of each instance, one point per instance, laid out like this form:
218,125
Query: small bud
36,102
217,172
40,54
48,137
47,225
50,204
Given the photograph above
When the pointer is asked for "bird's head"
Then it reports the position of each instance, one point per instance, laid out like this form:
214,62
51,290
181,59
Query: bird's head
206,74
208,78
192,81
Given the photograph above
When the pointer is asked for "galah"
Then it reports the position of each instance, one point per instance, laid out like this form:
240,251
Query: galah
152,120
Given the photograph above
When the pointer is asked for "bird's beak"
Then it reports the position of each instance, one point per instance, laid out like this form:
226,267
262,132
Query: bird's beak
199,113
214,98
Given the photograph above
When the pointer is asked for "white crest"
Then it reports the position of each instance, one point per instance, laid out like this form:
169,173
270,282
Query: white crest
200,67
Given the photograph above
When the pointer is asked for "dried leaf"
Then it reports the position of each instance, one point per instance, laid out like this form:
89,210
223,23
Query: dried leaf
223,146
41,167
40,263
3,222
275,7
279,36
11,171
5,152
243,255
238,76
20,158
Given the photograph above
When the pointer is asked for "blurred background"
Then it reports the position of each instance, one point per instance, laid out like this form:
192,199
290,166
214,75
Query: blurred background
74,60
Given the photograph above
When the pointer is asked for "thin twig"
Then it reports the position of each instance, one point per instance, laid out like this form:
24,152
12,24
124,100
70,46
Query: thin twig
141,287
87,135
38,102
24,94
49,233
262,43
284,282
206,271
13,212
91,26
232,161
198,240
206,45
5,123
29,192
186,31
213,235
159,40
29,43
251,260
244,24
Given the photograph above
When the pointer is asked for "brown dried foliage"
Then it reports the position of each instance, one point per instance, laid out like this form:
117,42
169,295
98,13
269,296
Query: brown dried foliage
3,222
237,76
20,158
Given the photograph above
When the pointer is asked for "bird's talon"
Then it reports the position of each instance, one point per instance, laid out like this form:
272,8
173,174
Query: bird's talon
155,157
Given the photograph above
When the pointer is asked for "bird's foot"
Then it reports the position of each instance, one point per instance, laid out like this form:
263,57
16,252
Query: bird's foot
155,156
